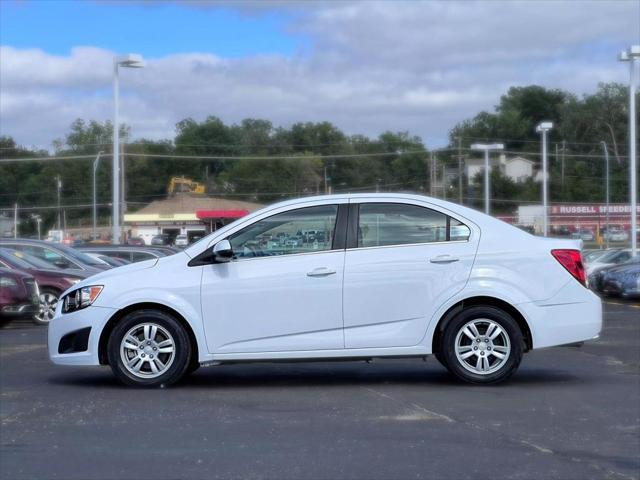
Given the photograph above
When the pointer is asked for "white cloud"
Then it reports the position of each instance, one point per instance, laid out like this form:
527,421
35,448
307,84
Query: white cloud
417,66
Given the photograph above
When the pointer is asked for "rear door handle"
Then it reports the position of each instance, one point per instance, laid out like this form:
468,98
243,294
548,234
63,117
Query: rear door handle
443,259
321,272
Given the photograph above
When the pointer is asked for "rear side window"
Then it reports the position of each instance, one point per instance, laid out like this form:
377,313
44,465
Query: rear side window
384,224
139,256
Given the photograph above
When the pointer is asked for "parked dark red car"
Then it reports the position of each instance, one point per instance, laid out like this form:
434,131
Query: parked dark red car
51,282
19,296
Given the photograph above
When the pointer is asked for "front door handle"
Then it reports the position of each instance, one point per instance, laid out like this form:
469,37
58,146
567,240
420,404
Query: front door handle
321,272
443,259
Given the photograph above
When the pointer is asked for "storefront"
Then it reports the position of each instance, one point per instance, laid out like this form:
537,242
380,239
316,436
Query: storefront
194,216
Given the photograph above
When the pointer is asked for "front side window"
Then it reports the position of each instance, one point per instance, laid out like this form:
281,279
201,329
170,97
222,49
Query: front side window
298,231
383,224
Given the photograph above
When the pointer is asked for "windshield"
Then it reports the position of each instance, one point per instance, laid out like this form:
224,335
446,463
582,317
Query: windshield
609,256
591,256
9,256
79,256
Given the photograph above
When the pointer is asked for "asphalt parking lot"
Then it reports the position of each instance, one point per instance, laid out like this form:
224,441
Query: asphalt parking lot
568,413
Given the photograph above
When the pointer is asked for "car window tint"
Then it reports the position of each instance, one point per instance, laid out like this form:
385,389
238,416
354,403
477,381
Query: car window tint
384,224
139,256
297,231
46,254
458,230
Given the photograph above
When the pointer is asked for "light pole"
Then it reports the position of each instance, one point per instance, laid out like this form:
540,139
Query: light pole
95,168
127,61
544,128
59,187
38,220
486,148
606,159
631,55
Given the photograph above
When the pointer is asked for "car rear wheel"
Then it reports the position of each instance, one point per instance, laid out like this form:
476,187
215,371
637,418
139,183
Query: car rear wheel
149,348
482,345
47,308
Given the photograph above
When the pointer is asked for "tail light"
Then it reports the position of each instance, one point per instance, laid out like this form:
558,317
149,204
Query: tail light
571,260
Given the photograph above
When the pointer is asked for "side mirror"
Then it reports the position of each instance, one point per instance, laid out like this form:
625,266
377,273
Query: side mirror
222,251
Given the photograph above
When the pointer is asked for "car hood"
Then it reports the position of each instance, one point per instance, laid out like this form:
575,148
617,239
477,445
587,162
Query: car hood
115,272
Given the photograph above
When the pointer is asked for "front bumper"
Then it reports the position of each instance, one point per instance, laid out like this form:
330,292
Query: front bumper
63,324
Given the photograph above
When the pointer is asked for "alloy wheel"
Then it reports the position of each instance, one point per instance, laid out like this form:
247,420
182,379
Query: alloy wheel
147,350
482,346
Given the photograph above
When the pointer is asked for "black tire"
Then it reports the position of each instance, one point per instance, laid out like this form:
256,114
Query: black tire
193,366
181,349
510,329
441,358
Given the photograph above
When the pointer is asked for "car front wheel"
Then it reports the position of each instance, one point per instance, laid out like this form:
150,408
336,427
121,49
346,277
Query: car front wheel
149,348
482,345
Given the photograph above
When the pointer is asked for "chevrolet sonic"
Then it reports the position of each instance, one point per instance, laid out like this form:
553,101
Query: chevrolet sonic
349,277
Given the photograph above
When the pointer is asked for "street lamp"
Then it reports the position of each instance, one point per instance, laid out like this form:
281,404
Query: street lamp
544,128
606,159
58,188
95,168
486,148
130,60
38,220
631,55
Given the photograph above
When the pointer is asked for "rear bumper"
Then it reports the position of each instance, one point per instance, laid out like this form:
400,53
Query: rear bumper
573,315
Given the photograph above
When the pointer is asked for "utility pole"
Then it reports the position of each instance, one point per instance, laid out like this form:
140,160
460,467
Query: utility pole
325,180
563,152
459,170
38,220
431,162
487,177
606,159
543,128
444,182
632,55
95,214
59,187
123,189
15,220
128,61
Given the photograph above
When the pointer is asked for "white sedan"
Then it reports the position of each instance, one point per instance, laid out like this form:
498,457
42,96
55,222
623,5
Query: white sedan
386,275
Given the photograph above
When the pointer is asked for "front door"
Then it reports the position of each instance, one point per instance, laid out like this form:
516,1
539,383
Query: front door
282,291
406,262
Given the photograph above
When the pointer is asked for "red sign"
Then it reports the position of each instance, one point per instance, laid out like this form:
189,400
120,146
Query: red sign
210,214
590,209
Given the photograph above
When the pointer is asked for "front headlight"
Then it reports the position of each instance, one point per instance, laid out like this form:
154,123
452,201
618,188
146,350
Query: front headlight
80,298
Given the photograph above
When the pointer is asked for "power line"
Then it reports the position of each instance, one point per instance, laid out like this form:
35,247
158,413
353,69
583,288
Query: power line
281,157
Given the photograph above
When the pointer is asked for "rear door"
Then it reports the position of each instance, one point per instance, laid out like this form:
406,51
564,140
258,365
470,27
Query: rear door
406,261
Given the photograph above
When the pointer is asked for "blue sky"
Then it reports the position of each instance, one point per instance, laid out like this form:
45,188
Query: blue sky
154,30
365,66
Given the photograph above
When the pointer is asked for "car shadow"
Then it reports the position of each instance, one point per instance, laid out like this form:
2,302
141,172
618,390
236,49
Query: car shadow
324,375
